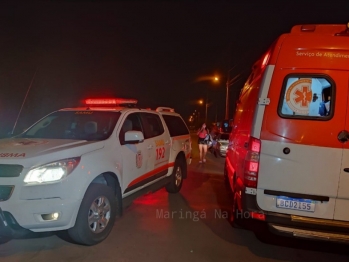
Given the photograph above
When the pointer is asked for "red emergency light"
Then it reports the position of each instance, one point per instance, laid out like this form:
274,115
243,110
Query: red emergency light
110,101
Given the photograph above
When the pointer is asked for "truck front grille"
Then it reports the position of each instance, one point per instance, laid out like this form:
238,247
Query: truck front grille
10,170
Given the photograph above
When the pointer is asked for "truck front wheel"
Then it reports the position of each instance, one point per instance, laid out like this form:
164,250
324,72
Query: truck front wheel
96,215
176,181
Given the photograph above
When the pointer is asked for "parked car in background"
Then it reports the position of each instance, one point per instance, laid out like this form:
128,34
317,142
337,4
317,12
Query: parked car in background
220,144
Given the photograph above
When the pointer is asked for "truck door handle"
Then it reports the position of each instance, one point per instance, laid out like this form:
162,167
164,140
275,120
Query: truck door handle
150,147
343,136
346,169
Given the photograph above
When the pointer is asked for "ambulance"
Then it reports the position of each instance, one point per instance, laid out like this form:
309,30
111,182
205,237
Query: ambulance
76,168
288,156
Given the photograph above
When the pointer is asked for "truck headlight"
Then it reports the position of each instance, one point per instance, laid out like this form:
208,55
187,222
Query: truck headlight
52,172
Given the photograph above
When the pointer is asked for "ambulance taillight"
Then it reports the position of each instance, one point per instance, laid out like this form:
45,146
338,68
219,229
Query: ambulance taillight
251,165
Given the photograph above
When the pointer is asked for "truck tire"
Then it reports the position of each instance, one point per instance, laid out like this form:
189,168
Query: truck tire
96,215
4,240
176,182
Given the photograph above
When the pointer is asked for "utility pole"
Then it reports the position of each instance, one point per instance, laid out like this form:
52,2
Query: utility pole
229,83
227,100
206,105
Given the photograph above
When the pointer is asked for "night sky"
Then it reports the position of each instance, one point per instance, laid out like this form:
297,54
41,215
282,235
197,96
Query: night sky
154,51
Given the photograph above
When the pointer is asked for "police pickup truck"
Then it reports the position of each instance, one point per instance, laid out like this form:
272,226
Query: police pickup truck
75,168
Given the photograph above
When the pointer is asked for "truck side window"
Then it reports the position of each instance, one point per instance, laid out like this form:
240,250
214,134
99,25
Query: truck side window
176,125
132,122
307,96
152,125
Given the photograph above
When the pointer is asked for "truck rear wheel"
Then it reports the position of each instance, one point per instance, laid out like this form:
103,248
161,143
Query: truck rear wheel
176,182
96,215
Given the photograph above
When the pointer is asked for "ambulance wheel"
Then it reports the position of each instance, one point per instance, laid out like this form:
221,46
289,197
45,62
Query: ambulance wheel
96,215
225,175
226,179
236,217
176,182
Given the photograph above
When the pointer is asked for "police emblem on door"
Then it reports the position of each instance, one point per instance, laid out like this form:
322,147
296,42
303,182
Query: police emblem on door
139,159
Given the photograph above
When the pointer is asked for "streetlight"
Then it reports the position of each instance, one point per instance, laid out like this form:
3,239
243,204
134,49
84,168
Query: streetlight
215,79
207,78
198,112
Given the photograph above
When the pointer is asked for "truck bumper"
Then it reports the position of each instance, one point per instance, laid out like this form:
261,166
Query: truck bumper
9,227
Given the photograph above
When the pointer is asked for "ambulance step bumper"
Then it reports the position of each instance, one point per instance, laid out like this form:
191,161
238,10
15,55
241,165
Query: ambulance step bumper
310,234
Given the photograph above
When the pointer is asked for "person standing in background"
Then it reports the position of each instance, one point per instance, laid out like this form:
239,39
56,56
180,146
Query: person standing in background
202,133
324,109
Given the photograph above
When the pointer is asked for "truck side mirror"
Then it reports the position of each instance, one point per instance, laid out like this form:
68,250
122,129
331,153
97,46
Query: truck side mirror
134,137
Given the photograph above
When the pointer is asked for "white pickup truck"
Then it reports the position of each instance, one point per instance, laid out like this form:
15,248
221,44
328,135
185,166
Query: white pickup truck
75,168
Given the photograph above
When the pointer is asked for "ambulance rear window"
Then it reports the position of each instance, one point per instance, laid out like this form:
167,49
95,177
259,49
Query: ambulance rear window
307,96
76,125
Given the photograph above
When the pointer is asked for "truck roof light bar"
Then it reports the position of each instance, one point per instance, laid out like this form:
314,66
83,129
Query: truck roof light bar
110,102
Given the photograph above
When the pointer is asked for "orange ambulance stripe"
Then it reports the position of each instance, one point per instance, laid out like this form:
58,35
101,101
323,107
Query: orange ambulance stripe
181,137
151,173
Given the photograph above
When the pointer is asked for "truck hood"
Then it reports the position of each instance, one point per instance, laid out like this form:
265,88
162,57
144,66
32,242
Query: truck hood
34,151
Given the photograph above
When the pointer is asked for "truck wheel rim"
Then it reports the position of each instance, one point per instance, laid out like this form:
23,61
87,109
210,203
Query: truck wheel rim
178,176
99,214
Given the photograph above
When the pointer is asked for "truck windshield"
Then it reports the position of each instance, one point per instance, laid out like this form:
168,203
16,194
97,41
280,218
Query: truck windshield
77,125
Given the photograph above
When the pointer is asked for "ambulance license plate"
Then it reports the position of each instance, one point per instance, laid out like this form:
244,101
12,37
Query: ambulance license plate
295,204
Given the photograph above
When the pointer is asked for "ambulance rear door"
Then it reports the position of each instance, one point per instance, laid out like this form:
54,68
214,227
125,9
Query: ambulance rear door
301,155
